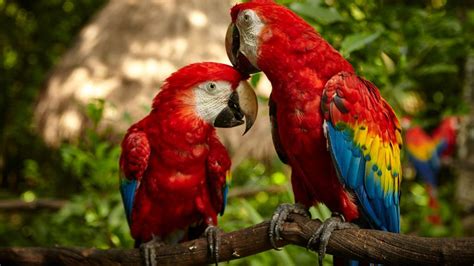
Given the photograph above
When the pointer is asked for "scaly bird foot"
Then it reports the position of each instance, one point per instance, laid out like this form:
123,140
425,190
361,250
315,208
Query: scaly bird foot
213,241
280,216
148,250
322,235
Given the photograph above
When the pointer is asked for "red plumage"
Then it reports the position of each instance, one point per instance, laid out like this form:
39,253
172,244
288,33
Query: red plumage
298,78
447,132
177,160
299,63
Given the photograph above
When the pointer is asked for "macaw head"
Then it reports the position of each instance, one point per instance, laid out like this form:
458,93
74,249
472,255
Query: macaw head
450,123
406,122
260,31
447,131
213,92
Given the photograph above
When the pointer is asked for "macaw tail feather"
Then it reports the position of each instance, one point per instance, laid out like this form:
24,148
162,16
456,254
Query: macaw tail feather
433,204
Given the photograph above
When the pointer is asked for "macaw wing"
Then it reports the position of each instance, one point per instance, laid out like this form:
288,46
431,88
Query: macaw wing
133,164
275,135
422,152
218,174
225,191
364,140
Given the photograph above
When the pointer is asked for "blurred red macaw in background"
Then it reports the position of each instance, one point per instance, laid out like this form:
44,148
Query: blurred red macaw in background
425,153
174,167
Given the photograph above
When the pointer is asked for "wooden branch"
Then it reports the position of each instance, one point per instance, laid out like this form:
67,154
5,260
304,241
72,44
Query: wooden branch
365,245
21,205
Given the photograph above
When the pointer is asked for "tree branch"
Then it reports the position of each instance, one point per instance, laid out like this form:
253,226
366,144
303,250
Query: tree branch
21,205
361,244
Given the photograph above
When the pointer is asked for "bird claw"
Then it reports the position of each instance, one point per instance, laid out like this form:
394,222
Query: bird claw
148,251
323,233
279,217
213,242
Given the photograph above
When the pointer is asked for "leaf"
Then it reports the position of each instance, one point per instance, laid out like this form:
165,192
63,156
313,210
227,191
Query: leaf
316,12
255,78
437,69
357,41
95,110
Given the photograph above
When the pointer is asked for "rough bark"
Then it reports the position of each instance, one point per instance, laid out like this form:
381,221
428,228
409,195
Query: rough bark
465,167
365,245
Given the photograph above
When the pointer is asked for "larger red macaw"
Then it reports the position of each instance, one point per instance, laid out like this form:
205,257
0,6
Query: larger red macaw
174,167
340,137
425,152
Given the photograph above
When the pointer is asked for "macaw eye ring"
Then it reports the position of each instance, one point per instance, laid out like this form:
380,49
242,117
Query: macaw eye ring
211,87
246,17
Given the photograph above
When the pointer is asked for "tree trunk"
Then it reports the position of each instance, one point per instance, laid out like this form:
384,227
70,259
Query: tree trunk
465,185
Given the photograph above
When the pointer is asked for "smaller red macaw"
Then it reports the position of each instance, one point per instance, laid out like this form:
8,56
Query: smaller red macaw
425,152
173,165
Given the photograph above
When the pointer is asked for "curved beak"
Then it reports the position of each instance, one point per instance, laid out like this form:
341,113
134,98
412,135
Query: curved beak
242,103
232,46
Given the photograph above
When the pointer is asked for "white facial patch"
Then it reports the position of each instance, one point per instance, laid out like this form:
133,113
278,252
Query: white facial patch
249,26
211,98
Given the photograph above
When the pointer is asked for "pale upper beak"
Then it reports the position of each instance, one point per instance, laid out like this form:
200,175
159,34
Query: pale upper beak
232,45
242,103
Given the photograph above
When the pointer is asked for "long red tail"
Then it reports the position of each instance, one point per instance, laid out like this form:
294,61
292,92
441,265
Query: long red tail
433,203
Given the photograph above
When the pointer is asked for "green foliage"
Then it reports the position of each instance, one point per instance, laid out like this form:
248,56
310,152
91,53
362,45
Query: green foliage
314,10
94,216
35,35
357,41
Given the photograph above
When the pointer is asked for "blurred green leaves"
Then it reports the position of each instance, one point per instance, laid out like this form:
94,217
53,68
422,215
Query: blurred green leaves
313,9
357,41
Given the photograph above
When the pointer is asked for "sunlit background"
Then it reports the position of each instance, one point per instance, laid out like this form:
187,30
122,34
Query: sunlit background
75,74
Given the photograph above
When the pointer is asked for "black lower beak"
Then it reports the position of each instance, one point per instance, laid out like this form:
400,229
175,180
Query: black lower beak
238,60
231,115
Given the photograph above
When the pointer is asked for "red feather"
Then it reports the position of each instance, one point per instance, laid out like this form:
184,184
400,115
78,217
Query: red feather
178,159
447,132
299,63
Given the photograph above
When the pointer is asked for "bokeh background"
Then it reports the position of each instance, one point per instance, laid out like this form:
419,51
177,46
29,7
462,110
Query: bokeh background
75,74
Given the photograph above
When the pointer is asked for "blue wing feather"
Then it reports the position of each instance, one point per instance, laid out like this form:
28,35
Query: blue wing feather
127,190
351,168
428,170
225,191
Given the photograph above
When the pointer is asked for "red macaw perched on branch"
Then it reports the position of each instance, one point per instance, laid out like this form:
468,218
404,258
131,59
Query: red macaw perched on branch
340,137
174,167
425,153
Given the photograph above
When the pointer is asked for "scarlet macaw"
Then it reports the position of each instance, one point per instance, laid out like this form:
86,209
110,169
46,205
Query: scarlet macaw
425,152
174,166
340,137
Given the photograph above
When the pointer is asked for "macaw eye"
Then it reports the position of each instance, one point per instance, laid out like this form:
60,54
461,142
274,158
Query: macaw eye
211,87
246,19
